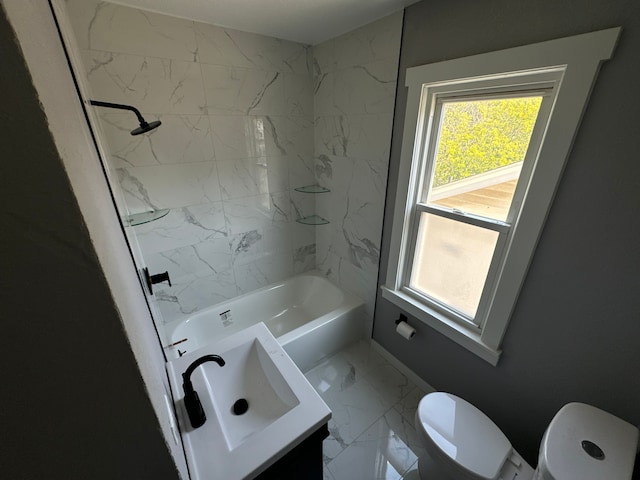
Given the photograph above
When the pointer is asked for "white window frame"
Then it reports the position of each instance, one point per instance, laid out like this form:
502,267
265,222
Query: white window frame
569,67
541,82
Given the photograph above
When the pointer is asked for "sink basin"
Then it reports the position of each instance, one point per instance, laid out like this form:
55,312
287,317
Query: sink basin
258,406
251,376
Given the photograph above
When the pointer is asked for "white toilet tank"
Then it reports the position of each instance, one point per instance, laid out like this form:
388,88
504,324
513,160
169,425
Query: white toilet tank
585,443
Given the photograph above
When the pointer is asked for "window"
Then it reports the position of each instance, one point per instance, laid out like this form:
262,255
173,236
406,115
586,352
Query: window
476,145
485,142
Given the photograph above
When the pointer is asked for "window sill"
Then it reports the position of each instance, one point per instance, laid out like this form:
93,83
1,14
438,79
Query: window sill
465,337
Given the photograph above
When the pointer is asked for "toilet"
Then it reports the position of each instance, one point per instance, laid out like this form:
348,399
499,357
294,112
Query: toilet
581,443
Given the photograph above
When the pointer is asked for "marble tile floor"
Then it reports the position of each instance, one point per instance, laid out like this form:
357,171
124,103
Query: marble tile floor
371,430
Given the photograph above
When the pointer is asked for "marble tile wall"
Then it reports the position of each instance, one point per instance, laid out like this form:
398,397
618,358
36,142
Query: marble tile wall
245,119
354,94
236,139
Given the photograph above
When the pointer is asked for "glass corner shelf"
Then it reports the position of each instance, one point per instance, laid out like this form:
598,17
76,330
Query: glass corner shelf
312,189
145,217
313,220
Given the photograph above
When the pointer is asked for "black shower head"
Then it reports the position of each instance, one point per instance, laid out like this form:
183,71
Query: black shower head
144,125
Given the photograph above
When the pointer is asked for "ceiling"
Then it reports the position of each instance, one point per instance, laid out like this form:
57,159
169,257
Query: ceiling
305,21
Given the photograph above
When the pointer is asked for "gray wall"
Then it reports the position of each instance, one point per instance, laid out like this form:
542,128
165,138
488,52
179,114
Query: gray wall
575,331
73,405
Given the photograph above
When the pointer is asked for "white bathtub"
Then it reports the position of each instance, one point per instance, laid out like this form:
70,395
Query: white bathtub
310,317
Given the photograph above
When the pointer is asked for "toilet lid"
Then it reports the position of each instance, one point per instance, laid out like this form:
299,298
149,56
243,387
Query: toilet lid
464,434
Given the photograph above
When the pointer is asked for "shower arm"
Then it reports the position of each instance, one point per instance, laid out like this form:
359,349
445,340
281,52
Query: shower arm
145,126
120,106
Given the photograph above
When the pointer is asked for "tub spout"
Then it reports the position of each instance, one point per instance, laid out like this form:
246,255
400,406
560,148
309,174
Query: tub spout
192,403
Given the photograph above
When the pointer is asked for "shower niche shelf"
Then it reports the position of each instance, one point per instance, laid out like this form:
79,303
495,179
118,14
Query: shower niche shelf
312,189
312,219
145,217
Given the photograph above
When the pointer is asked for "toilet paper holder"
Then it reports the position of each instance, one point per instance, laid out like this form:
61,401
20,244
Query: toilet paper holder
404,329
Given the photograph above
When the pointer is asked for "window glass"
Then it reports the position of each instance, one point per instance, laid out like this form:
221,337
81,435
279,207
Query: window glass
480,149
451,262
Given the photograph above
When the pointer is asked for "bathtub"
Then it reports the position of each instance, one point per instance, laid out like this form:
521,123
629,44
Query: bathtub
310,317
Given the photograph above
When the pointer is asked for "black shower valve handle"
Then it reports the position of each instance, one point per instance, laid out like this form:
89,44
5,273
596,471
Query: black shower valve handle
161,277
157,278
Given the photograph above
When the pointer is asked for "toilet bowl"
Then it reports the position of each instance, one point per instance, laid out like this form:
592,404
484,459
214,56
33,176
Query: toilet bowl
462,443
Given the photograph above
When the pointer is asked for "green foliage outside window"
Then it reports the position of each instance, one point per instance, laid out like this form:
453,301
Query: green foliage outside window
482,135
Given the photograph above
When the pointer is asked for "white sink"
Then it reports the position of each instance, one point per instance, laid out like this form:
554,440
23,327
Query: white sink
283,408
249,374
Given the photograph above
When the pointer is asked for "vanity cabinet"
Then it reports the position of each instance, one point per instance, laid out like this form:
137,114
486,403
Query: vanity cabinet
304,461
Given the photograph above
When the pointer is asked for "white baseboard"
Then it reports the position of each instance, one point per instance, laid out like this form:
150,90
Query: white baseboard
406,371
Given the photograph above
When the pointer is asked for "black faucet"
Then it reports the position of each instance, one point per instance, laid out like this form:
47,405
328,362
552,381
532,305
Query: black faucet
191,399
